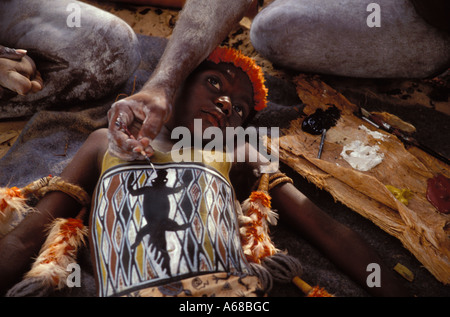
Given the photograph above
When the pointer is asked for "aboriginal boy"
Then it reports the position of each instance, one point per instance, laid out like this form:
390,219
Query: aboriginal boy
169,228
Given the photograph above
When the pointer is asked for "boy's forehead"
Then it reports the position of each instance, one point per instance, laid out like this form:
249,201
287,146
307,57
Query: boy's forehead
234,75
227,69
230,72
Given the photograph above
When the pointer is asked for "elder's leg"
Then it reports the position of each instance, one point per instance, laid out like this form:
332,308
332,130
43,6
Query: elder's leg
335,37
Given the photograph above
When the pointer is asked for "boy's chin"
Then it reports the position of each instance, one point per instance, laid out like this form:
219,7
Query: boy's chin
217,142
208,120
206,123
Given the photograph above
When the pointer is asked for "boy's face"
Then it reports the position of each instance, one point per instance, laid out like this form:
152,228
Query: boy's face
219,94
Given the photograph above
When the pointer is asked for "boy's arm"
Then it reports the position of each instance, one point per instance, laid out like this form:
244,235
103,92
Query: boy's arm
344,247
18,248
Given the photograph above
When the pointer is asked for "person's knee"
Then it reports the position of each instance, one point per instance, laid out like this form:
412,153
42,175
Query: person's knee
107,50
280,32
267,29
81,43
82,52
330,37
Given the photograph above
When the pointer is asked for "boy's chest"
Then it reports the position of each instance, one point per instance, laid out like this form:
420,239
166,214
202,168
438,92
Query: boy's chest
151,225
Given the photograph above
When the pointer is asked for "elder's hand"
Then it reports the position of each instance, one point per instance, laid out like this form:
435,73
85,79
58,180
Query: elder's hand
135,121
18,72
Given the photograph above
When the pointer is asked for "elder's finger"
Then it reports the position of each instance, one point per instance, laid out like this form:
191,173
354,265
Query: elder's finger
146,147
37,82
26,67
143,151
11,53
17,83
121,145
35,86
152,125
120,110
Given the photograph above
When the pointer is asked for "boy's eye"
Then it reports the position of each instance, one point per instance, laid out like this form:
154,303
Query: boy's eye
214,82
239,109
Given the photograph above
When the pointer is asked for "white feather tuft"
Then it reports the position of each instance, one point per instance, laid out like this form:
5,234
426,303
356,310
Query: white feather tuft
13,208
59,250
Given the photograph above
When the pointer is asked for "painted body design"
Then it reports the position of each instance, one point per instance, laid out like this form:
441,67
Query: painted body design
151,227
156,211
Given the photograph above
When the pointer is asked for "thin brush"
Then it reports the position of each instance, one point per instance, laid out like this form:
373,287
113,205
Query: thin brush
322,141
378,122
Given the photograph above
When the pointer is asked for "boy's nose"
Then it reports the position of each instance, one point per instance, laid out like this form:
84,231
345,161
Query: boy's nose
224,103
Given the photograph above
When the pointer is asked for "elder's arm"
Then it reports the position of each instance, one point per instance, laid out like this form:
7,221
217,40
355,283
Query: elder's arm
201,27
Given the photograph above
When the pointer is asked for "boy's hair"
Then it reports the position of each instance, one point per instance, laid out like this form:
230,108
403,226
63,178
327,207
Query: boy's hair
248,65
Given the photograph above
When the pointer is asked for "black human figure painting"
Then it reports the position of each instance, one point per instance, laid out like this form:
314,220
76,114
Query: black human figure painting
156,206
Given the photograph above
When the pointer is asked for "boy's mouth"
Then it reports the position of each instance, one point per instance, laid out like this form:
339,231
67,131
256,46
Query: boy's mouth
215,117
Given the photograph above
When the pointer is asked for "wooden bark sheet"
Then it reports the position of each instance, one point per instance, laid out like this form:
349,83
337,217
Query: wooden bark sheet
418,225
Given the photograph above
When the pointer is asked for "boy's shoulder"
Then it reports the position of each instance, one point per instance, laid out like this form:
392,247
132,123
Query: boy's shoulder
99,135
97,142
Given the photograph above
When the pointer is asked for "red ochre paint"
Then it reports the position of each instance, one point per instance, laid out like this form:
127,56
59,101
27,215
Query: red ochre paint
438,193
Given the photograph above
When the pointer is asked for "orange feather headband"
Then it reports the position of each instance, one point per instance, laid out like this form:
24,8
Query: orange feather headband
248,65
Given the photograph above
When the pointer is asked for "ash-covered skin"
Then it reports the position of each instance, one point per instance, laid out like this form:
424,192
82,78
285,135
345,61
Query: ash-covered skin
76,63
